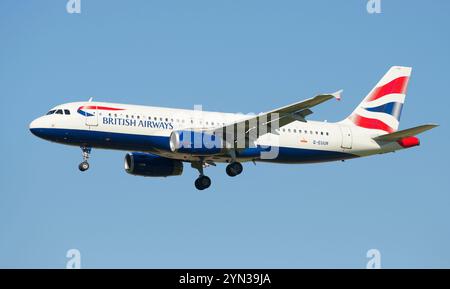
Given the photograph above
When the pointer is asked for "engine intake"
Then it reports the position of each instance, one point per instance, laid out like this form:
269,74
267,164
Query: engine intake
149,165
195,142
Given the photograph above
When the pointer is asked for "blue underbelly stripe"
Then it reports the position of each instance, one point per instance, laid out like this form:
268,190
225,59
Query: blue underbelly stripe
148,143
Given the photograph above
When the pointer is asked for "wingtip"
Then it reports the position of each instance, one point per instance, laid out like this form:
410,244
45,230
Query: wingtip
338,94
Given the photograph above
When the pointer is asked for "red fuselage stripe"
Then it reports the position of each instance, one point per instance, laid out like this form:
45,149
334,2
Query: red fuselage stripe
99,107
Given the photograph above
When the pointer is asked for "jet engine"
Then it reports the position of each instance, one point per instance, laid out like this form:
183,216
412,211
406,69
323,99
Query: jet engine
149,165
195,142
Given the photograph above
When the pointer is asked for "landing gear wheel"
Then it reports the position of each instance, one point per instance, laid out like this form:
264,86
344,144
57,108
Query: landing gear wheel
84,166
86,151
202,182
234,169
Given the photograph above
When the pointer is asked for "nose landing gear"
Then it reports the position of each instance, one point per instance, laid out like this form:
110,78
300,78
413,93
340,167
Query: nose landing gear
84,166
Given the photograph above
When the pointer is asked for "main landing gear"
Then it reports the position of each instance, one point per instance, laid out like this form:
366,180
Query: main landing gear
203,182
84,166
234,169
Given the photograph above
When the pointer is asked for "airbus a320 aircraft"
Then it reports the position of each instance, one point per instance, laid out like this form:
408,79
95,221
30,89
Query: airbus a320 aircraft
160,139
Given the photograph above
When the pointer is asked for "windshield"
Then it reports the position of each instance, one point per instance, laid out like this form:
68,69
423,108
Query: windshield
59,111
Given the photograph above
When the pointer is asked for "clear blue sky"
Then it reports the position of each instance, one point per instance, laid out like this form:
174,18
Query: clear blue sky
236,56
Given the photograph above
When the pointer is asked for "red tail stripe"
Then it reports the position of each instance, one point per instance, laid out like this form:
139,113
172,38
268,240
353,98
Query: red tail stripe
397,85
370,123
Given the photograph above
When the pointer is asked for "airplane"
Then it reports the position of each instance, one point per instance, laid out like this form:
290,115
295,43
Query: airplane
159,140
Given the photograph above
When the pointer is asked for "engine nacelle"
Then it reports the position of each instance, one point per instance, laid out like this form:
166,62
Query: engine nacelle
195,142
149,165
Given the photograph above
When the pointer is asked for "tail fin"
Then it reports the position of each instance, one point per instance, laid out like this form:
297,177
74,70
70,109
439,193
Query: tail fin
381,108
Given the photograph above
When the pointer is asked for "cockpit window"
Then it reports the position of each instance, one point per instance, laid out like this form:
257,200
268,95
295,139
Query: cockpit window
59,111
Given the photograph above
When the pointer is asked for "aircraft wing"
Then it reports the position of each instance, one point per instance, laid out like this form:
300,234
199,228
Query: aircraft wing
284,115
405,133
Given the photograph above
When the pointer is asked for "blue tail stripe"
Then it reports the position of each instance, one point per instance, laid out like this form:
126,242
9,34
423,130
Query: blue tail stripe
392,108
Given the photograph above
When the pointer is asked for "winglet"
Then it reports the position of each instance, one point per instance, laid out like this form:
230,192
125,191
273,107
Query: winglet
338,94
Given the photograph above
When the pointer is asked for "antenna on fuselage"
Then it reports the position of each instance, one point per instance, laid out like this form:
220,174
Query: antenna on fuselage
90,99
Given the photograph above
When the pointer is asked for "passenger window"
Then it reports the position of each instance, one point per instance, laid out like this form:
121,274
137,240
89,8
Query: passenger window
59,111
321,132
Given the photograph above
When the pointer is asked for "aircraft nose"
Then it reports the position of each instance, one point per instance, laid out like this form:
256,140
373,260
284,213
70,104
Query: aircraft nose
35,125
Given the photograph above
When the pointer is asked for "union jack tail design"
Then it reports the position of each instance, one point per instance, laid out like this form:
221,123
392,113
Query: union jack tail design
382,107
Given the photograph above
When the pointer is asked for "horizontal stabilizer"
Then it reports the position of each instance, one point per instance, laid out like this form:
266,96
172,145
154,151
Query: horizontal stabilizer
395,136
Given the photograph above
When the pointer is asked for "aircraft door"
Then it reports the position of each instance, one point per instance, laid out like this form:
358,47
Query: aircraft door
347,139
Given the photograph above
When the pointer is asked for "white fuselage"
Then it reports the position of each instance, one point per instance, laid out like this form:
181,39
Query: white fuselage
147,129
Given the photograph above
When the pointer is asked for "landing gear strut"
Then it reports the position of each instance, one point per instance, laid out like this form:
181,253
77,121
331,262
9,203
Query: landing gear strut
234,169
202,182
84,166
